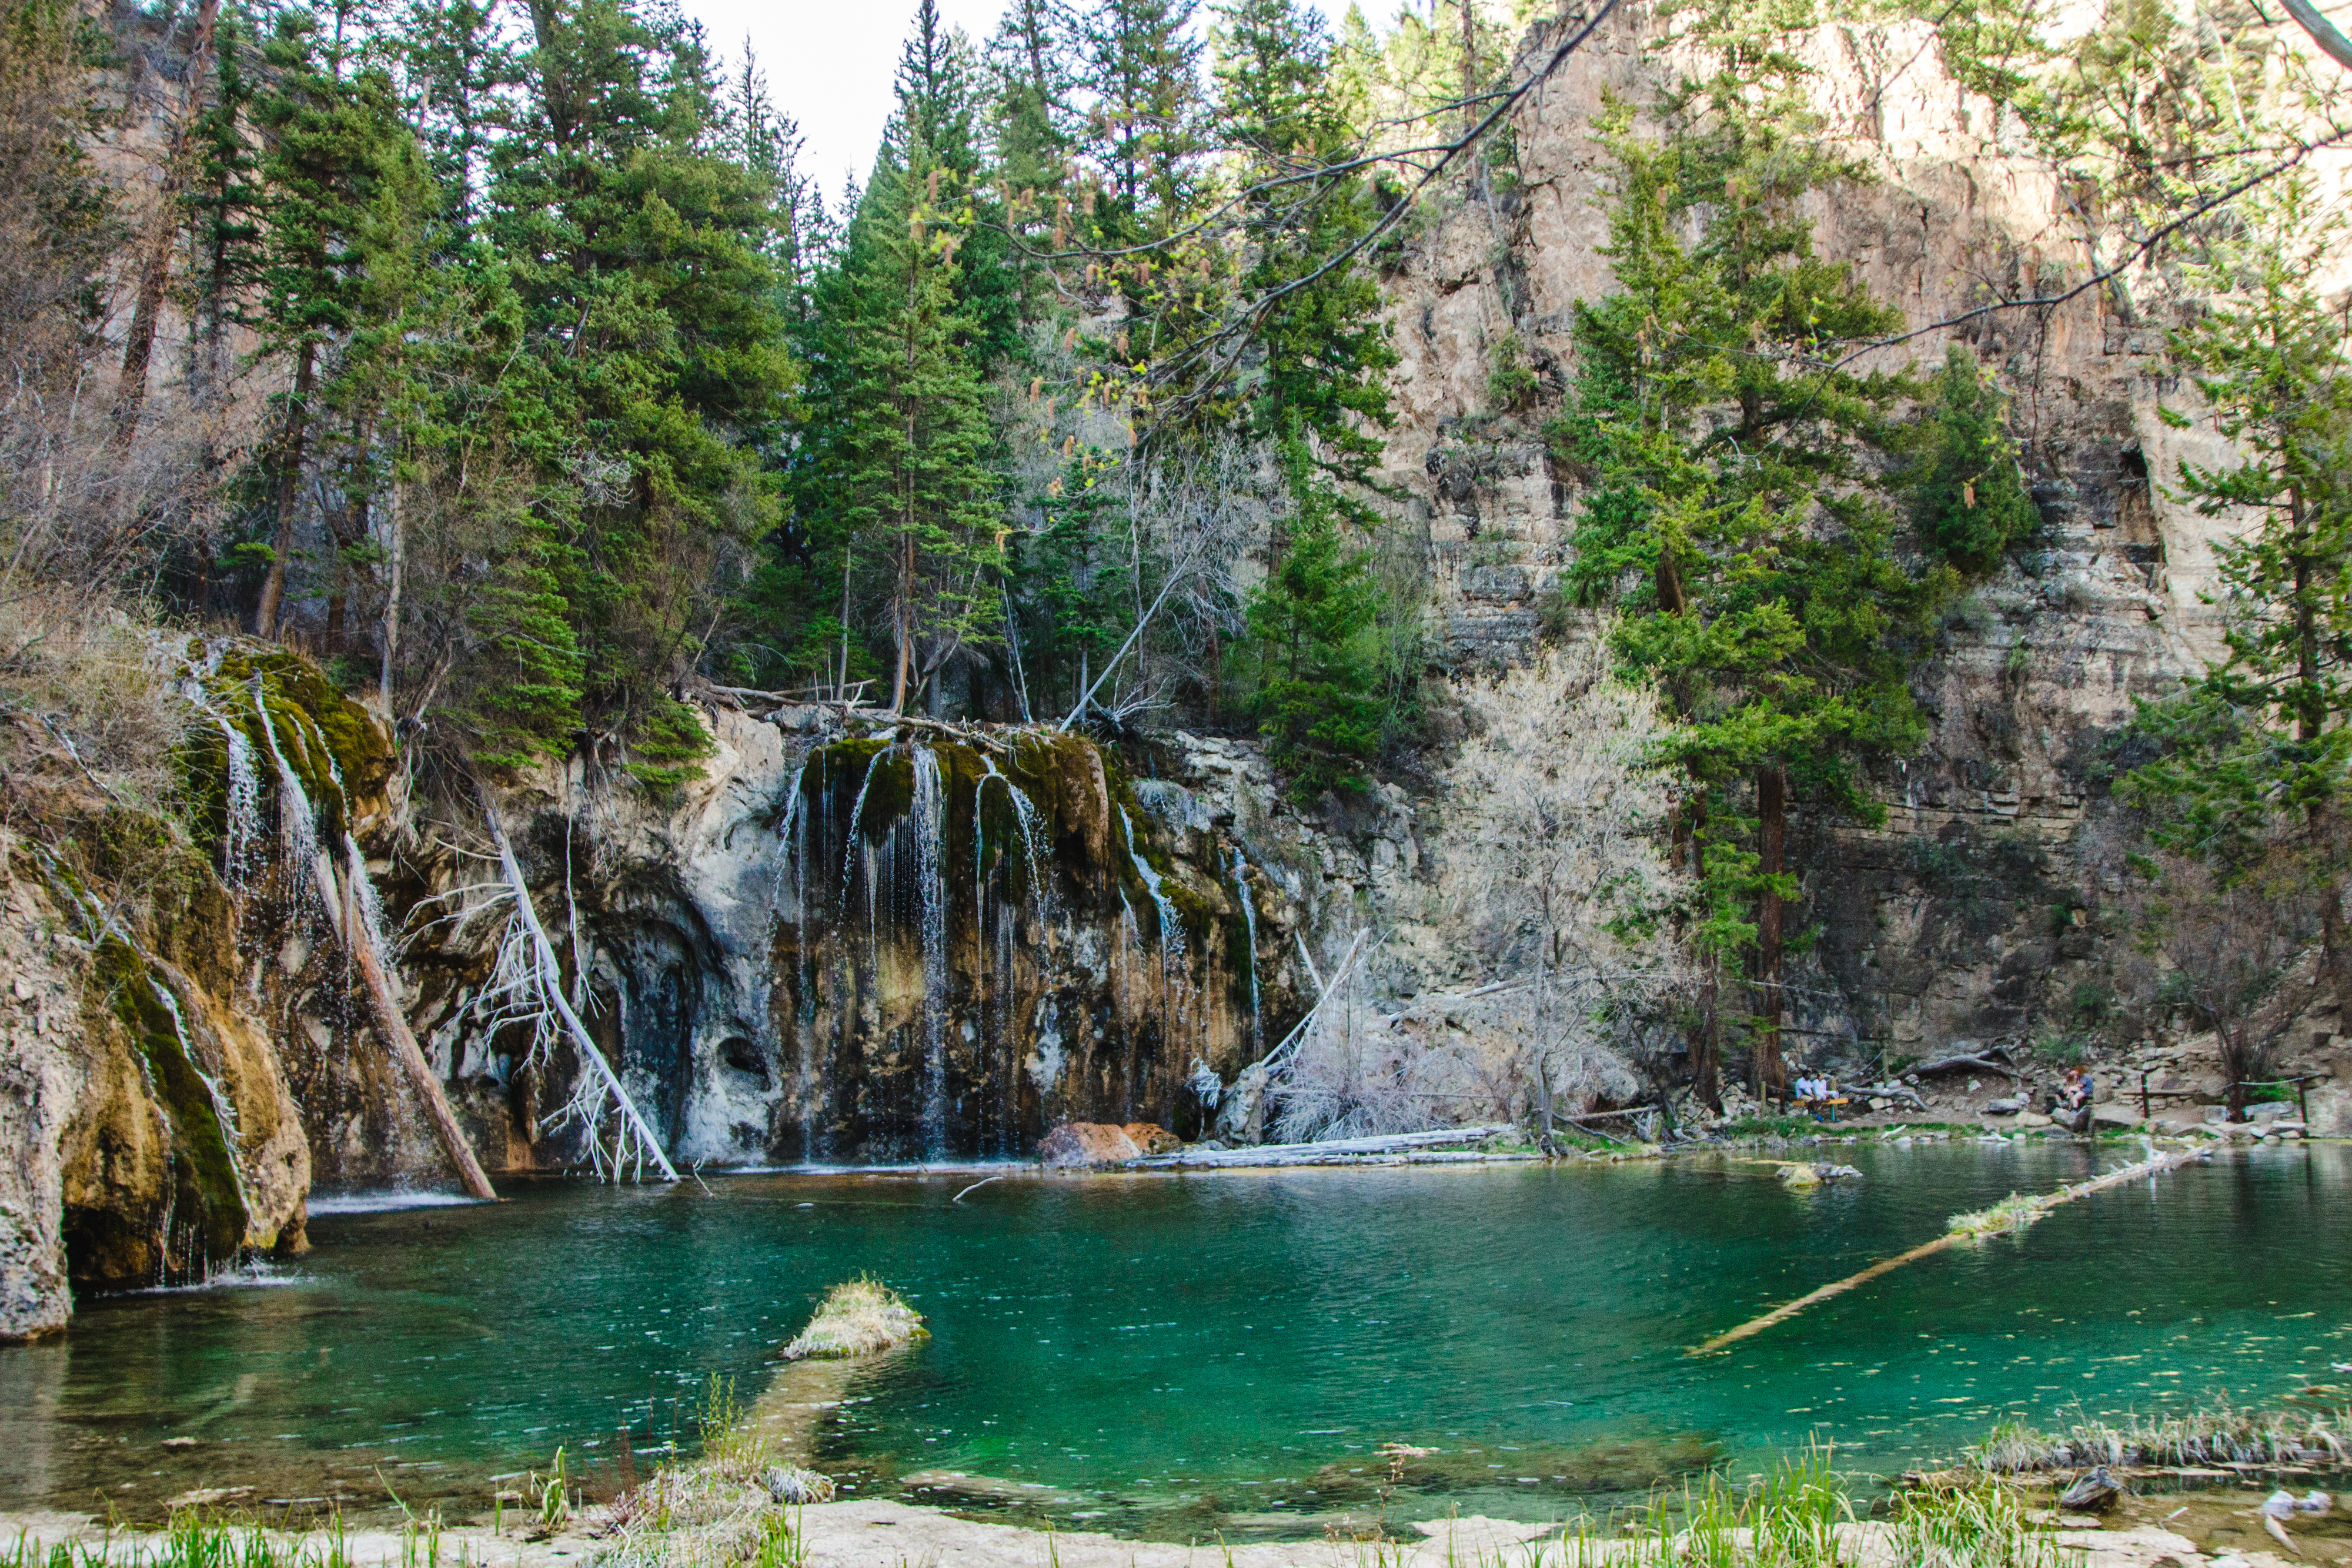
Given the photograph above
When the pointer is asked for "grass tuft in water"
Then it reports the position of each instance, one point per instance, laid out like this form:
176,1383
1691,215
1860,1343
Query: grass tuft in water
2011,1214
862,1317
2221,1434
736,1504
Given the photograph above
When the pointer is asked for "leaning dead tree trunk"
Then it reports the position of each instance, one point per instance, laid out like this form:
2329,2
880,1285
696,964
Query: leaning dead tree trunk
360,942
636,1142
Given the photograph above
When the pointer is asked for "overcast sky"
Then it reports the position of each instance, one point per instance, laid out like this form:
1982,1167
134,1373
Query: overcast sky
828,63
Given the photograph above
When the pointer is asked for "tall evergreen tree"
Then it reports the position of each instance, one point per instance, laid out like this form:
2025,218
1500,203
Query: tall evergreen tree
345,179
1147,130
913,436
642,259
1736,513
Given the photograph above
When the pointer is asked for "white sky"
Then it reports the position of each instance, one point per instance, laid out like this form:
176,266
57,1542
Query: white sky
828,63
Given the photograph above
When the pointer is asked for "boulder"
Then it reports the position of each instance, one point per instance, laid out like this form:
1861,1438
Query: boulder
1087,1145
2115,1115
2033,1118
2095,1493
1153,1138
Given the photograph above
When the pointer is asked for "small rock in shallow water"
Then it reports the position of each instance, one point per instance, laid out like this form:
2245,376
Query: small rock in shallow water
2095,1493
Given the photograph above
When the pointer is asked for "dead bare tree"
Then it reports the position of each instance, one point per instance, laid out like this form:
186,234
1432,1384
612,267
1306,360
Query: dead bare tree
527,988
1561,809
2239,944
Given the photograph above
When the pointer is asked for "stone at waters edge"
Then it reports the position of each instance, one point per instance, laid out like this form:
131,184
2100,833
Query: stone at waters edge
2095,1493
1087,1145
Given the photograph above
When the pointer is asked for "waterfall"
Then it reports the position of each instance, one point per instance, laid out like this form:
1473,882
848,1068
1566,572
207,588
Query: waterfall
929,818
1249,924
1040,863
241,797
298,825
1172,927
850,838
368,904
224,1109
792,841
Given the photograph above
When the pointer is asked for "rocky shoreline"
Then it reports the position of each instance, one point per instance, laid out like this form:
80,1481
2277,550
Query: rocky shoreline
2212,1528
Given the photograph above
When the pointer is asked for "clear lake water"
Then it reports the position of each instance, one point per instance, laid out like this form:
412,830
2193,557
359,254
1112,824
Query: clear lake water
1188,1357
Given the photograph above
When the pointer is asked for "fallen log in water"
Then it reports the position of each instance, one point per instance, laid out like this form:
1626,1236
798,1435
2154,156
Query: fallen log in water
1781,1314
1338,1151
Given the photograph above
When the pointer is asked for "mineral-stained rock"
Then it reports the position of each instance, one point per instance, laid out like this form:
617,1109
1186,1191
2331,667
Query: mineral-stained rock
1087,1145
1153,1139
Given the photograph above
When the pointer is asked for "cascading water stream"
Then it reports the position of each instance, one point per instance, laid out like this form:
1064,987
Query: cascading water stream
791,840
851,839
1172,926
223,1108
1249,924
298,825
1025,815
929,818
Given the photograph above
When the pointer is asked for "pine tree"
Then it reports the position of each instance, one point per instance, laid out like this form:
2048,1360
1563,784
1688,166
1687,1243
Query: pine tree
1970,497
2258,750
1316,392
1737,511
915,489
642,261
1146,132
460,67
1312,621
342,165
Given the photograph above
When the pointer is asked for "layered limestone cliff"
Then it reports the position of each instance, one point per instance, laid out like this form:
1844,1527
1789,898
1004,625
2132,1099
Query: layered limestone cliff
1972,912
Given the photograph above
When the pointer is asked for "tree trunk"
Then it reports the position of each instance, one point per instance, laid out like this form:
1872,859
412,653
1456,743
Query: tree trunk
155,266
289,486
2234,1063
1772,831
359,941
900,629
1469,66
395,544
551,973
1706,1036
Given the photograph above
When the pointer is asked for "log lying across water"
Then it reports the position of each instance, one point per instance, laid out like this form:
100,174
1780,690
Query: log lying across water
1781,1314
1339,1151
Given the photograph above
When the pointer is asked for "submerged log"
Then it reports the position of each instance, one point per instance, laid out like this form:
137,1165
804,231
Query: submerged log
1781,1314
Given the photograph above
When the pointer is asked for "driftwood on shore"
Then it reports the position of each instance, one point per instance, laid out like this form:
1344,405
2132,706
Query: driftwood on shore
1962,1064
1388,1147
1781,1314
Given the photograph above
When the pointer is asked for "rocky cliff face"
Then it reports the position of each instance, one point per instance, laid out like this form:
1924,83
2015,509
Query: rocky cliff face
1972,912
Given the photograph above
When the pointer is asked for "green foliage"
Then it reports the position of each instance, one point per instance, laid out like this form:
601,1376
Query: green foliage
2263,735
906,439
1312,621
1509,383
1972,499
